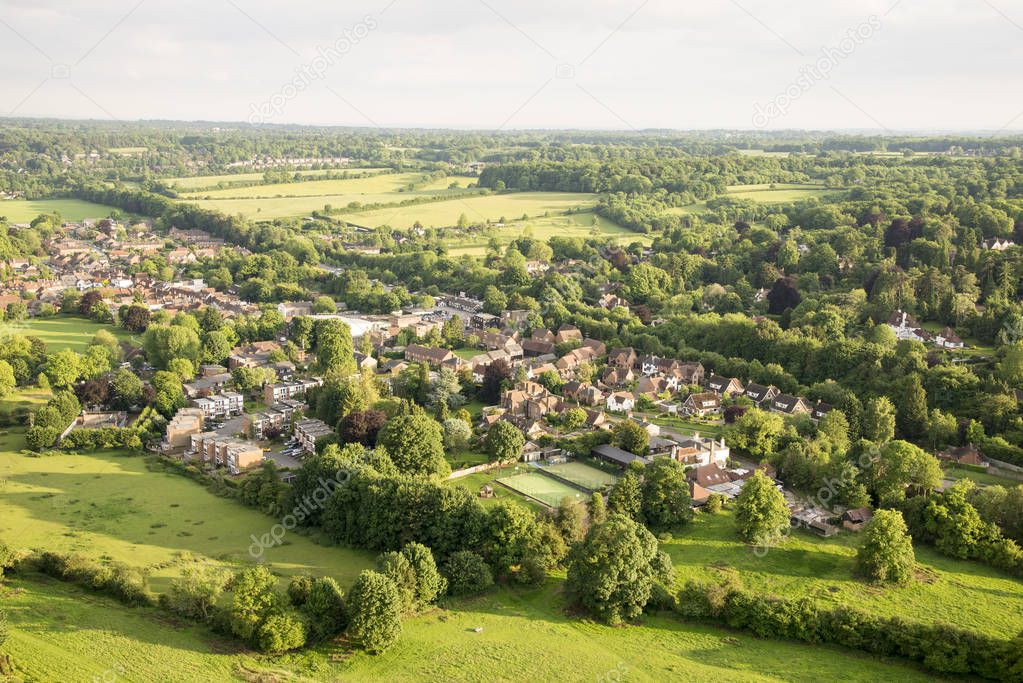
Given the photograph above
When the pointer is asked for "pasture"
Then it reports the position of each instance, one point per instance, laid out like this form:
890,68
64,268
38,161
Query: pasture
197,182
24,210
777,193
62,331
583,225
540,487
493,208
584,475
112,505
965,594
60,632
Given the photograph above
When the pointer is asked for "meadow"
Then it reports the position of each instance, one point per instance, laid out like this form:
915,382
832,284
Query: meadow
197,182
965,594
777,193
63,331
582,224
24,210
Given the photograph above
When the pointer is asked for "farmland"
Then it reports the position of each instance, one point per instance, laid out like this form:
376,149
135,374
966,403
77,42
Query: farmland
584,224
776,194
197,182
24,210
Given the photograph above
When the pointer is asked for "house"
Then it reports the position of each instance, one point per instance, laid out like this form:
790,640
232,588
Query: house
542,335
599,348
906,327
964,455
725,386
948,339
819,410
758,393
616,456
221,405
536,347
365,362
621,402
616,377
709,475
596,419
308,431
651,386
789,405
612,301
856,519
701,404
583,393
293,309
659,446
996,244
698,450
622,358
568,333
435,357
254,355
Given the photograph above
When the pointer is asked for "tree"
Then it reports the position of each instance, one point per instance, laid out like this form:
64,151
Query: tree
573,418
324,304
298,589
504,442
761,513
216,346
280,633
374,609
494,377
446,390
631,436
611,572
195,593
494,300
325,608
334,347
626,498
596,508
254,598
898,466
362,426
456,434
666,500
783,295
127,388
571,520
886,555
170,394
756,431
467,573
63,368
7,379
429,584
415,444
136,319
878,423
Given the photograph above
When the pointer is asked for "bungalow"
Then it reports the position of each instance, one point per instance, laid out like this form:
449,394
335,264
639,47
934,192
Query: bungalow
701,404
616,456
758,393
725,386
789,405
364,362
621,402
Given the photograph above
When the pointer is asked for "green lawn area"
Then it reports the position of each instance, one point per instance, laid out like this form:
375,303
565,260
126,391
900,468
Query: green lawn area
687,426
23,400
61,633
63,331
511,206
474,482
24,210
776,193
585,224
197,182
583,475
112,505
467,352
541,487
965,594
982,478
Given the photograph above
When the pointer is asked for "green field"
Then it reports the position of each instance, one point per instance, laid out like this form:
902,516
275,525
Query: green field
581,474
61,633
24,210
776,193
965,594
62,331
196,182
474,482
584,224
111,505
541,487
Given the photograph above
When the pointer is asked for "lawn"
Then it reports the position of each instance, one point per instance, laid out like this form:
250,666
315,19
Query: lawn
585,224
541,487
59,632
679,424
509,206
474,482
22,402
62,331
576,472
373,184
982,478
776,193
113,506
24,210
965,594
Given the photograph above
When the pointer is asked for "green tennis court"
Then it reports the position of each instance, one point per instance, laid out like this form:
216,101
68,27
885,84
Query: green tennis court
578,473
541,487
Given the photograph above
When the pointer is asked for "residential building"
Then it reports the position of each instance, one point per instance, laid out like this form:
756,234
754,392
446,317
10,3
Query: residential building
280,391
758,393
435,357
725,386
621,402
701,404
790,405
224,404
964,455
274,420
185,423
225,451
308,431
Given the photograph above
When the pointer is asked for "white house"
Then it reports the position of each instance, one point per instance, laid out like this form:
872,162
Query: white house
621,402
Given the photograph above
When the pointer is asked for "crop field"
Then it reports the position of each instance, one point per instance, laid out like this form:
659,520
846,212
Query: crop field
24,210
511,206
112,505
62,331
197,182
579,473
584,224
965,594
541,487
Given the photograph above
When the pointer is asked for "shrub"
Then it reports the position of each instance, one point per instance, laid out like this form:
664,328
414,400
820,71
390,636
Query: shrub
374,611
467,573
281,633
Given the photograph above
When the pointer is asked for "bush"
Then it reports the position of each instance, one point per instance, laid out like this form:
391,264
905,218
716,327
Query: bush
325,608
375,612
467,573
298,589
281,633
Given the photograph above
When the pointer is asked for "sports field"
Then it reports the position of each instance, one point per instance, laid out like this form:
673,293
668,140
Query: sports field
579,473
62,331
541,487
492,208
24,210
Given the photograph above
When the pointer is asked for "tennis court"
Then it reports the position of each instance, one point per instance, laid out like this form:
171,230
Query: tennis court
588,477
540,487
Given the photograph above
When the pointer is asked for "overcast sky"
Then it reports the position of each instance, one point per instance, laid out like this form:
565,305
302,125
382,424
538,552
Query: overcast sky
911,64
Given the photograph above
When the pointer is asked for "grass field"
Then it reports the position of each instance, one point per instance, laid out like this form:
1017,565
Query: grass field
62,331
510,206
112,506
982,478
777,193
196,182
965,594
59,632
474,482
26,400
24,210
581,474
585,224
541,487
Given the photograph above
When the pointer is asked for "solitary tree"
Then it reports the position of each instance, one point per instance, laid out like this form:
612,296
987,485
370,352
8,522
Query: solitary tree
415,444
632,437
666,500
504,442
886,555
374,612
760,510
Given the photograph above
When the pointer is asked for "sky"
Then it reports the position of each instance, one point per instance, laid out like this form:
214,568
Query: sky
880,65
